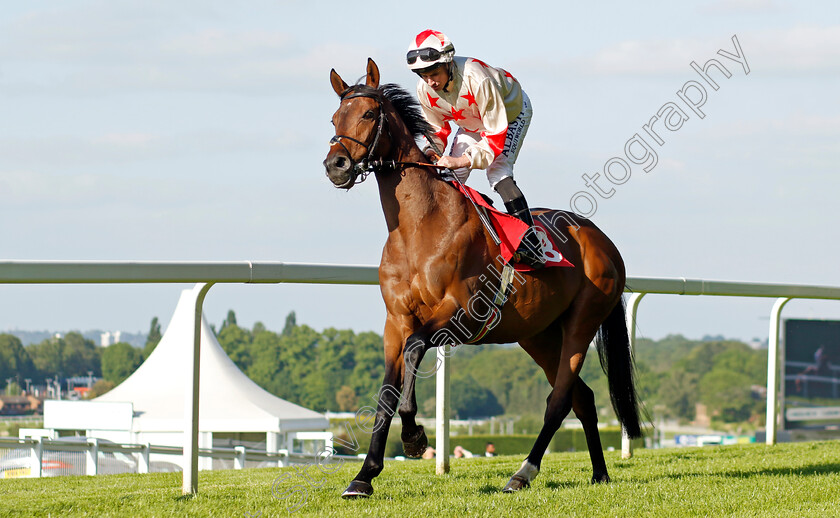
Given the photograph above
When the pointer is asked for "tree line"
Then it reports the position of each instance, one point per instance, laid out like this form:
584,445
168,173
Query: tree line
341,370
68,356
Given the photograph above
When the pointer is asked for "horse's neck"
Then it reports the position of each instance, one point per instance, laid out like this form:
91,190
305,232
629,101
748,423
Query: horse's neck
414,195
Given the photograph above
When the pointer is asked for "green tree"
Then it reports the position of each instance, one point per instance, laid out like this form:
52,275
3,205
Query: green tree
369,371
297,360
14,359
515,380
469,399
79,356
346,399
100,387
153,338
743,360
229,321
236,342
71,355
119,361
258,328
678,392
46,356
266,368
728,394
334,360
13,388
291,323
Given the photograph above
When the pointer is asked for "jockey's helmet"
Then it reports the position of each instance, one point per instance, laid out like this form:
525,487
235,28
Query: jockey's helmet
428,50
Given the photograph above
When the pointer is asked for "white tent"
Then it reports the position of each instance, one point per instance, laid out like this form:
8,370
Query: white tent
229,400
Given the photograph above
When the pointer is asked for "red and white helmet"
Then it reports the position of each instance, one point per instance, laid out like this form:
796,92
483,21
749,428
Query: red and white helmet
429,48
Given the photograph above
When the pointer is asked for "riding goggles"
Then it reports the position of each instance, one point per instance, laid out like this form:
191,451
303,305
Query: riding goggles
425,54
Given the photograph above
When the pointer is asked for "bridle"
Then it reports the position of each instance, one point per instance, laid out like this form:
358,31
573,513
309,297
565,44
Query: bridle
361,168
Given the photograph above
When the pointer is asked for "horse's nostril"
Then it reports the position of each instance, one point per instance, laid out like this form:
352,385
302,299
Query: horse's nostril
339,162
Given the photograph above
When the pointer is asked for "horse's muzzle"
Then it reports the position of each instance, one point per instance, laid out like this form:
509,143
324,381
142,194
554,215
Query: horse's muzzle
339,170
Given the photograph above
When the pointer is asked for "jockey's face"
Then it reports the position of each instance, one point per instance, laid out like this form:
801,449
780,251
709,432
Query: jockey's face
436,78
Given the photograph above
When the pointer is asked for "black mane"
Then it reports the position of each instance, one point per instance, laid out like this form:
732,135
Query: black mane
408,108
406,105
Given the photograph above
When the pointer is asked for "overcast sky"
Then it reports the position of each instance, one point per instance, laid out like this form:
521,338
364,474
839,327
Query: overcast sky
195,130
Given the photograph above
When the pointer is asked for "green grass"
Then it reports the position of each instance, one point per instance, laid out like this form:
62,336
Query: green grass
751,480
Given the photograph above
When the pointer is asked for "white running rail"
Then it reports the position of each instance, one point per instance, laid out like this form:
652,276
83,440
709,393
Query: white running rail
205,274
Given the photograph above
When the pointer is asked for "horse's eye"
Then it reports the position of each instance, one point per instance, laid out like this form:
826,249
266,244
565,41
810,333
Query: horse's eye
369,115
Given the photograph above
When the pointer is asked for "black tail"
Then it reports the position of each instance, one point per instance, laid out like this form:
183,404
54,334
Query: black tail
616,357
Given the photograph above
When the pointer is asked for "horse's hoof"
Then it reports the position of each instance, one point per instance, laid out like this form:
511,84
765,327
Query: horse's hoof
600,479
415,446
358,489
515,484
522,478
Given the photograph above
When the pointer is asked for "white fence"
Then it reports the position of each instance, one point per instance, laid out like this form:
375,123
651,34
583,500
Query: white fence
34,457
205,274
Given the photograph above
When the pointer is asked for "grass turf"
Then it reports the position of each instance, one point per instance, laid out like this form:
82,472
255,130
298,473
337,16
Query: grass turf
800,479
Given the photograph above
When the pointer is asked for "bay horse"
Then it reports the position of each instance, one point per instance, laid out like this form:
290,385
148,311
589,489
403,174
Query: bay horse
435,266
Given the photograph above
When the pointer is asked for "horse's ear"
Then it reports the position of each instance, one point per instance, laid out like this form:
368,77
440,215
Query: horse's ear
338,84
372,74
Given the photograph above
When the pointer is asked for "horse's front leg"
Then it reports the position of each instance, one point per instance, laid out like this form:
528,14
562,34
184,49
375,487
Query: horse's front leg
389,396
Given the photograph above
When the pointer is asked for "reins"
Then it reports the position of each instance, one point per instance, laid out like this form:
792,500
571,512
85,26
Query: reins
363,167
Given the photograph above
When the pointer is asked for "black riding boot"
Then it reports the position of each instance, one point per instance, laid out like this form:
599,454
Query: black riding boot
530,249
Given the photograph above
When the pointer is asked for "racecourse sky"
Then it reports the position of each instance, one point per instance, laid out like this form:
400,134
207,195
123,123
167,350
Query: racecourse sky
195,130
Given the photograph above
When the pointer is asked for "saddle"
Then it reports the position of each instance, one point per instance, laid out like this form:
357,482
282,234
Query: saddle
510,230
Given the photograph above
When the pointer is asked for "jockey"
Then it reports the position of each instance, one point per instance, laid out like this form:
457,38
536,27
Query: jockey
493,114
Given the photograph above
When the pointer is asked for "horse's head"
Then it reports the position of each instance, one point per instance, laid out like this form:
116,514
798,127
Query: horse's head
360,133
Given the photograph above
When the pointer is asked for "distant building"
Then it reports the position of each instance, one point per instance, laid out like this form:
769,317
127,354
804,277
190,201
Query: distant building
701,416
758,343
19,405
109,338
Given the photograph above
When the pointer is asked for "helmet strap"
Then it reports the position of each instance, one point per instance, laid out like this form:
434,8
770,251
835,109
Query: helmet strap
449,71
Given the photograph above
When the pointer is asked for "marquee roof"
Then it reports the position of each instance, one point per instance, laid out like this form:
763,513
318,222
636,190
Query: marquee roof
229,400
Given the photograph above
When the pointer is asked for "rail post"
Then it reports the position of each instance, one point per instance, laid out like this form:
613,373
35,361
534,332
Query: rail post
190,481
37,457
442,411
773,370
632,307
239,460
92,456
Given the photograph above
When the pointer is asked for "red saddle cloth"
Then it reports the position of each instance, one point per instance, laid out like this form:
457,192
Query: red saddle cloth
511,230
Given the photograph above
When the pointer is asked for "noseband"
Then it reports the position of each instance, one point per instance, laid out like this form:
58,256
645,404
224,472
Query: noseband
363,167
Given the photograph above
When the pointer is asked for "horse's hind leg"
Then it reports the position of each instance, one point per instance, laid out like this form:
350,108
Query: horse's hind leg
579,328
583,403
413,436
